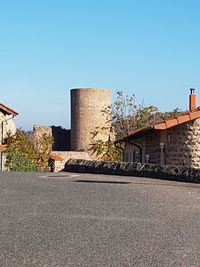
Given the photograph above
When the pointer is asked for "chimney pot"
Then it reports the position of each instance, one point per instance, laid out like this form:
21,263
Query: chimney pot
192,90
192,100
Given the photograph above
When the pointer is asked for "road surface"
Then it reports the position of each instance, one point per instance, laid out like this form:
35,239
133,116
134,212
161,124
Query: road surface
65,219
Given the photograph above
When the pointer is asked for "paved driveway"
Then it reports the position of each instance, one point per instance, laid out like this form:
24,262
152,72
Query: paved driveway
97,220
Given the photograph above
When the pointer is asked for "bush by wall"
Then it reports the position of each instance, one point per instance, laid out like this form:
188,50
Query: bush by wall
24,152
20,163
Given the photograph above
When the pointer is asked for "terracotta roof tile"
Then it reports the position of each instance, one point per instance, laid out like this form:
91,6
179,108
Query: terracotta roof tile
166,124
3,148
56,158
179,119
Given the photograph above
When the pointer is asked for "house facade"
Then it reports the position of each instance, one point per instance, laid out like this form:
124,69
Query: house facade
175,141
6,125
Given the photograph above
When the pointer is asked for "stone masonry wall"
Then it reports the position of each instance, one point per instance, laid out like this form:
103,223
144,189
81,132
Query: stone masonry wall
152,146
61,136
175,173
36,135
182,146
66,155
87,115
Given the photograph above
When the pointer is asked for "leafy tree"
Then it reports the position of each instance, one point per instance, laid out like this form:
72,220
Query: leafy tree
145,116
128,116
24,154
20,154
149,115
125,116
105,150
43,146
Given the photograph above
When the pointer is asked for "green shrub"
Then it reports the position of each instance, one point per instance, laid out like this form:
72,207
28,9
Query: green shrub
20,163
25,153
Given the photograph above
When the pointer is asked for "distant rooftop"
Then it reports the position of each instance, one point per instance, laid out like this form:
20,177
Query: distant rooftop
8,110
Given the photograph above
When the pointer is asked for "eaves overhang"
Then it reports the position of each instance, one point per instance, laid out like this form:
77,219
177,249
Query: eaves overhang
8,110
166,124
133,134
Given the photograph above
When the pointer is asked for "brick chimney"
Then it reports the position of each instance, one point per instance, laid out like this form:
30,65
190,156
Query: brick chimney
192,100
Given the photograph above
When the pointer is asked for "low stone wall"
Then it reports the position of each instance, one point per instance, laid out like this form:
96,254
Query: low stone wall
167,172
66,155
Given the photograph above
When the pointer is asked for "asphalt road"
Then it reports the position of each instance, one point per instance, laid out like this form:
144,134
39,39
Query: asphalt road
97,220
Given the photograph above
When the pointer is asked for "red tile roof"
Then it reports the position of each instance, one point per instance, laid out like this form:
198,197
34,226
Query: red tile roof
56,158
8,110
179,119
3,148
166,124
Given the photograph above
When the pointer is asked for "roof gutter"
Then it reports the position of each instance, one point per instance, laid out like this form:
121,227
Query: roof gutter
124,139
119,147
139,147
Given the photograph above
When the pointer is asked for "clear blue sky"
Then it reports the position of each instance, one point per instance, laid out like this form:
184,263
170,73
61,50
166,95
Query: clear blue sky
150,48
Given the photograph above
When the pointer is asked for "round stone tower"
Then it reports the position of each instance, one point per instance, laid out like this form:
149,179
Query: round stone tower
88,106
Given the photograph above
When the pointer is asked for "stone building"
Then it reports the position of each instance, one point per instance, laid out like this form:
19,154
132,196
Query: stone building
6,125
175,141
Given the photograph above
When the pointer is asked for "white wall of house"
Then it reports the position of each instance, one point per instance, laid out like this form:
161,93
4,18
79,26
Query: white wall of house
6,125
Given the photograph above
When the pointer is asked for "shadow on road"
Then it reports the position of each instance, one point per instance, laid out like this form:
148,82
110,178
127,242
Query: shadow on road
180,184
100,182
